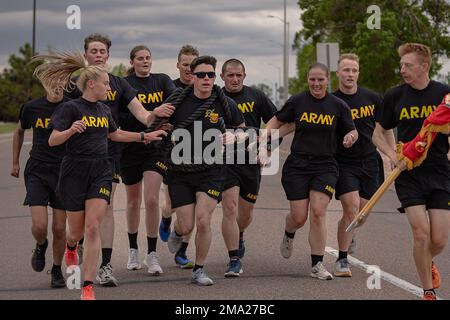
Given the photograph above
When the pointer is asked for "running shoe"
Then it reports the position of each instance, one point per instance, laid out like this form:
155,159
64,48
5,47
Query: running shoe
234,268
342,268
163,234
105,276
57,278
286,247
319,272
200,277
183,262
435,276
152,262
429,295
38,258
87,293
133,260
174,242
71,256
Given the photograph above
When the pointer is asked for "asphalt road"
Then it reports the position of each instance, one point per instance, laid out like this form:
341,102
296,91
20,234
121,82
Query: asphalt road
384,241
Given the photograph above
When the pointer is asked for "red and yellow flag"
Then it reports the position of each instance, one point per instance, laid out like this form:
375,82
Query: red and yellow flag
415,151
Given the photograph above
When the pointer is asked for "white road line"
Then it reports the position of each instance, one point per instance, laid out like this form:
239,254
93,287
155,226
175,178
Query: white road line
400,283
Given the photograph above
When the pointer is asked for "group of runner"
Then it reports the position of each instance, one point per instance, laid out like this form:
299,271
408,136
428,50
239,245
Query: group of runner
79,154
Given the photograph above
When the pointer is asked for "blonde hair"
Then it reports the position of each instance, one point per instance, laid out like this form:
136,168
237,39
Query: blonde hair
348,56
59,66
421,50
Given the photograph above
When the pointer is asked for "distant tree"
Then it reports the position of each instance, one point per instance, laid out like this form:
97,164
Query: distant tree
17,84
264,88
119,70
345,22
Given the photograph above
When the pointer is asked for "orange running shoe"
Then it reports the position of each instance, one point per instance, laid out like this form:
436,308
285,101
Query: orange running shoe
71,256
87,293
429,295
435,276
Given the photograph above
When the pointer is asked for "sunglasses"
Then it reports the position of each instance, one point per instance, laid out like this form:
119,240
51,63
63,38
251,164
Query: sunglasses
201,75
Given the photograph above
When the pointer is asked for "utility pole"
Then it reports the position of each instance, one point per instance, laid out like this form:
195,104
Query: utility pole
34,27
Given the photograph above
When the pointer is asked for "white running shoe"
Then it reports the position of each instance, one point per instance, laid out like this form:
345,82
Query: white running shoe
200,277
152,262
342,268
105,276
133,259
174,242
286,247
319,272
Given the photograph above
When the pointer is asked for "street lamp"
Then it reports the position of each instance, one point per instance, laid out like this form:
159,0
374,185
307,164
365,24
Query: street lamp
279,71
285,53
276,93
34,27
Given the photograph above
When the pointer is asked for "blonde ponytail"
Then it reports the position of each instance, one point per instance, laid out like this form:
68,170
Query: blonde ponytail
59,66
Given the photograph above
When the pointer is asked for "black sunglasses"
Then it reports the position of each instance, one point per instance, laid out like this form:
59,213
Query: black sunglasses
201,75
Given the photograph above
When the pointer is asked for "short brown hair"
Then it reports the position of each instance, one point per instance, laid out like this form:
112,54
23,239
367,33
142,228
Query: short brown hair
209,60
348,56
320,66
187,49
421,50
97,37
233,61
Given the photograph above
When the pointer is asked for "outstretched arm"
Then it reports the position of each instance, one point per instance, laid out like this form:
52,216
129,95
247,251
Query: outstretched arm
145,137
146,117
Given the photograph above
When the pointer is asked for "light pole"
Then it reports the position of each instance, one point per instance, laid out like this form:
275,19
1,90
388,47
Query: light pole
34,27
285,54
276,93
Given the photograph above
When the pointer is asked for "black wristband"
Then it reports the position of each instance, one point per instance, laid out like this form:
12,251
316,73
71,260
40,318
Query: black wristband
142,135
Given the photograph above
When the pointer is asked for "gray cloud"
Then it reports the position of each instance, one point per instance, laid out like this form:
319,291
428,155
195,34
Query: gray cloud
221,28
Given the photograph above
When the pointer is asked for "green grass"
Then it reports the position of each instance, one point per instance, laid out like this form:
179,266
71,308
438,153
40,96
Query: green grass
7,127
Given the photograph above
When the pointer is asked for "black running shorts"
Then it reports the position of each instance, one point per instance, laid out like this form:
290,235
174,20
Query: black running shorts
133,166
245,176
82,179
184,186
358,175
303,174
41,179
428,184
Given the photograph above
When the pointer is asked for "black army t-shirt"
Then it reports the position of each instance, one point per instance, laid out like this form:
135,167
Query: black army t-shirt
99,122
210,119
151,92
318,122
365,107
119,97
179,84
36,114
407,108
254,105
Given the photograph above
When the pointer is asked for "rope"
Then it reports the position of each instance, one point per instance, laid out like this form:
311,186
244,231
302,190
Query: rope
176,99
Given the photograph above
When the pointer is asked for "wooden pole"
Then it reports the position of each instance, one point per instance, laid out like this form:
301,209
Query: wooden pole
364,213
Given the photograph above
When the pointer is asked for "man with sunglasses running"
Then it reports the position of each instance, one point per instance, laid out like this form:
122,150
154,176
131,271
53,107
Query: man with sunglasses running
195,194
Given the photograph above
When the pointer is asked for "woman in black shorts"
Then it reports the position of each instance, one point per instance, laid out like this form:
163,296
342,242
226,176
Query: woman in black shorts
310,172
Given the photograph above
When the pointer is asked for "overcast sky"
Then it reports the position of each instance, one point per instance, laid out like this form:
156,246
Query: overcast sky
222,28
